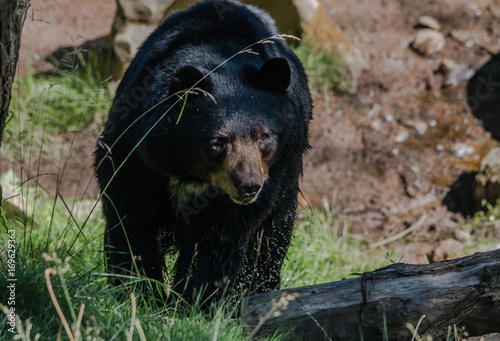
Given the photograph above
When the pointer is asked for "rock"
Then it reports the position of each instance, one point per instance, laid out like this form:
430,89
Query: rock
453,72
144,11
307,9
462,235
428,22
420,126
323,32
487,181
12,202
128,40
402,136
134,21
376,124
447,249
428,42
299,18
287,14
465,37
375,110
461,150
490,229
473,9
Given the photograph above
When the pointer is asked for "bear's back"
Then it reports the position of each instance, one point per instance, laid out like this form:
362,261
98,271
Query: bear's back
210,34
207,34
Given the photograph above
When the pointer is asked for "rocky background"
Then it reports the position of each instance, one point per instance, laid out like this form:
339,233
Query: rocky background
409,146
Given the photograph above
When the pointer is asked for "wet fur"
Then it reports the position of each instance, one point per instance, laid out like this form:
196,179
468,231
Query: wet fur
173,194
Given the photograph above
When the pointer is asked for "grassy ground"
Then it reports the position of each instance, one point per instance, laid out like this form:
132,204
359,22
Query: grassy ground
61,288
65,243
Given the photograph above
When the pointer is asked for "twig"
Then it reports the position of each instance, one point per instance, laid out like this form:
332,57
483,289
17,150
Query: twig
48,272
140,331
415,330
401,234
78,334
132,320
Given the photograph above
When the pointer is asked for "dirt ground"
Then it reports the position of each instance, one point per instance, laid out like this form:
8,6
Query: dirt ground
383,157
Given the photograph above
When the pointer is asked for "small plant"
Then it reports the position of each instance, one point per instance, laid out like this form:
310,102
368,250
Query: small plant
45,107
481,231
491,213
326,70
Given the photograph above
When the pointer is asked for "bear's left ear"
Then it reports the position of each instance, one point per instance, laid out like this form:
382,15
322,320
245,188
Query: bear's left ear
274,75
185,77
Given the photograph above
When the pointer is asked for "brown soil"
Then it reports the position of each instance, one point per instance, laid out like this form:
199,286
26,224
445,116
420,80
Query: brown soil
371,158
381,184
52,24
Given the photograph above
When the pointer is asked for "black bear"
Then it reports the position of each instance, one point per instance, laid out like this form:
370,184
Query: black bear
202,152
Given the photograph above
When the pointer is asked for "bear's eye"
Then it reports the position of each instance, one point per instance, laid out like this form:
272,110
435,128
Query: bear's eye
264,138
266,143
218,144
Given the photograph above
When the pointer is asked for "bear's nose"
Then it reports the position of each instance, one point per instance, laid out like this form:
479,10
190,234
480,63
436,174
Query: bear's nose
249,190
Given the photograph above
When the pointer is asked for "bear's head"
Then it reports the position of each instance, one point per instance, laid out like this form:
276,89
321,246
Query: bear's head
228,132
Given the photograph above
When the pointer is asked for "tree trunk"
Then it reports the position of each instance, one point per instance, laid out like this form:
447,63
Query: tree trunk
464,292
12,16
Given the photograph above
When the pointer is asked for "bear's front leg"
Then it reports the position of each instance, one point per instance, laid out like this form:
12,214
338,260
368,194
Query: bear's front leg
267,247
132,248
207,269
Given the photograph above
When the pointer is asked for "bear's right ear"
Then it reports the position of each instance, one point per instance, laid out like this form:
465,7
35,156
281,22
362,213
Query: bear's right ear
185,77
274,75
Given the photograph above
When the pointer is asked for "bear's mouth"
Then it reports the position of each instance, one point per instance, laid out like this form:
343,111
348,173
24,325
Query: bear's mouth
236,196
245,200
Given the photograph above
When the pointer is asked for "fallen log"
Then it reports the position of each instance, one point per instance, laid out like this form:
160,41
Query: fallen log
463,292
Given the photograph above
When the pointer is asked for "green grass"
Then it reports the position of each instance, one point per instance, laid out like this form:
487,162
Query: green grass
46,106
479,229
325,70
73,251
65,241
323,250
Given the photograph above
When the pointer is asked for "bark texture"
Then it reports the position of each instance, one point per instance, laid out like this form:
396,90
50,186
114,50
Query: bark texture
12,17
463,292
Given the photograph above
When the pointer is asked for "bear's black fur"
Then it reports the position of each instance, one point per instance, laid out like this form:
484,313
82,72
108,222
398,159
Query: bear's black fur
213,176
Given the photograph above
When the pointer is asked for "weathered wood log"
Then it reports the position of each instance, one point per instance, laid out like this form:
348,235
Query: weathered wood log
464,292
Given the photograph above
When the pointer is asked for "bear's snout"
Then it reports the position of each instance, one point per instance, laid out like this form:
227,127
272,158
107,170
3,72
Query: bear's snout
243,172
247,169
248,191
249,186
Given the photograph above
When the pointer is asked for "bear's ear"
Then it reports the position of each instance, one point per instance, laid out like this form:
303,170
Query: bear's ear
185,77
274,75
